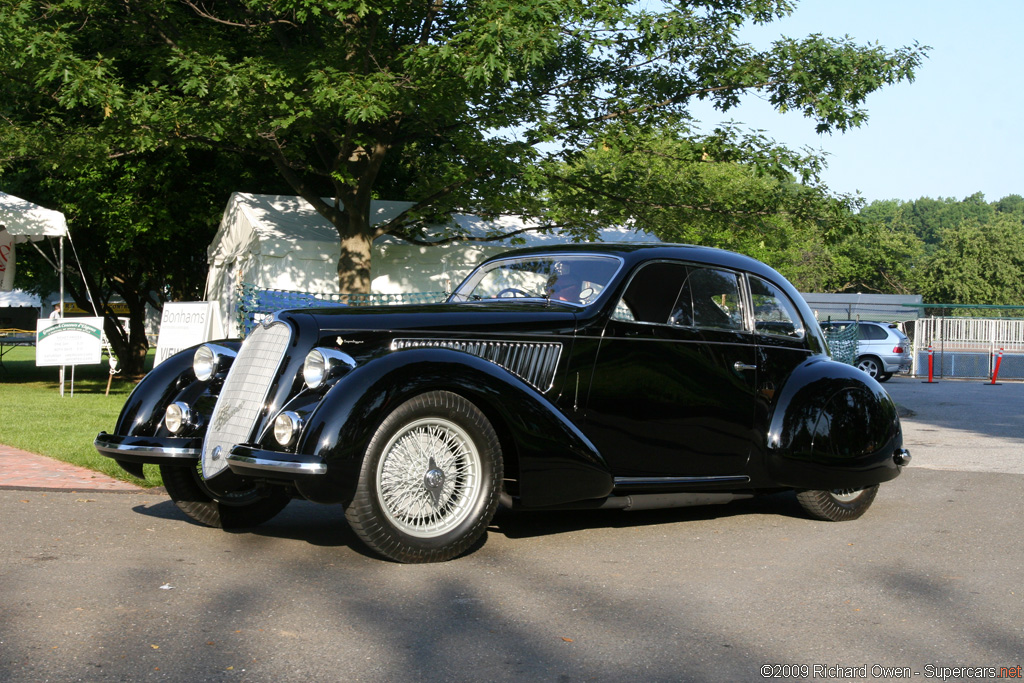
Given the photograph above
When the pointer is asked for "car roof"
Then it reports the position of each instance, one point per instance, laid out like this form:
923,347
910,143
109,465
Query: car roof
857,322
634,252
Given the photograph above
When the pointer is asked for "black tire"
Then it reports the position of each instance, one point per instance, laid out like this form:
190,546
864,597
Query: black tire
411,508
884,377
837,505
870,365
238,511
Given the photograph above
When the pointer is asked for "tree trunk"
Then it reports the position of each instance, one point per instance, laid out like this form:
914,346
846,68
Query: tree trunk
354,264
356,235
130,348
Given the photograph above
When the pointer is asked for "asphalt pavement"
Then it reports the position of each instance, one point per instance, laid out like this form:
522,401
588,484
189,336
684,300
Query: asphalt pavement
926,586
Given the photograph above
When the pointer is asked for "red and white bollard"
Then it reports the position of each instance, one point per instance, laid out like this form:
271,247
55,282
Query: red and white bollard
931,367
995,370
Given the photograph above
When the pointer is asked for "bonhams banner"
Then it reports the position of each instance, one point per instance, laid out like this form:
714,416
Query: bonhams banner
6,261
182,325
69,341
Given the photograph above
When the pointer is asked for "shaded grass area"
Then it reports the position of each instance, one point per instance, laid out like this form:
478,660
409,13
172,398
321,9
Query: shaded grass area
36,418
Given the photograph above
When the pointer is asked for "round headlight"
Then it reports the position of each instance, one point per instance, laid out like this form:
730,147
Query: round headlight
209,359
204,363
314,370
286,426
177,417
322,364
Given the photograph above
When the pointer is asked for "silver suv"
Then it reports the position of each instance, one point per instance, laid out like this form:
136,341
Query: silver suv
882,349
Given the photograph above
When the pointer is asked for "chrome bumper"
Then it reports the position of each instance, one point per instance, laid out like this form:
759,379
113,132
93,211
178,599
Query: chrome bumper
254,462
148,449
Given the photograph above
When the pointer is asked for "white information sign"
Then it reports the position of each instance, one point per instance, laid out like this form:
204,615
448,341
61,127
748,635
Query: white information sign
181,325
69,341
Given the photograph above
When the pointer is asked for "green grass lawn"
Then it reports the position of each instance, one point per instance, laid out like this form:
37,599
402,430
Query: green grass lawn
36,418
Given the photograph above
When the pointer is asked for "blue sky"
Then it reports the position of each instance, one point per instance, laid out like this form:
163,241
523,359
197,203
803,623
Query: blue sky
952,132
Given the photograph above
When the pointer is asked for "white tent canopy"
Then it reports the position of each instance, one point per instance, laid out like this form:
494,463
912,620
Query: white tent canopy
281,242
22,221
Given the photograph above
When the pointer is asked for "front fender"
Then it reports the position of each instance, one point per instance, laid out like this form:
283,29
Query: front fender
557,463
832,427
139,436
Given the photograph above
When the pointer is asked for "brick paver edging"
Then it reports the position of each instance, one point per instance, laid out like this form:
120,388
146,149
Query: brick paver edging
23,470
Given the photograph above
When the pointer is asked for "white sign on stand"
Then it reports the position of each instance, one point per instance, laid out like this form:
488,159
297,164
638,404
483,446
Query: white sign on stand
69,341
181,325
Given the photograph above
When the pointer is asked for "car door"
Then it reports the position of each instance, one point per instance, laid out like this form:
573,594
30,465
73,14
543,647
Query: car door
781,337
672,393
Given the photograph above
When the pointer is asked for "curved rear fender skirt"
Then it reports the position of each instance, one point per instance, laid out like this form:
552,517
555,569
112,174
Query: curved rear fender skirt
557,462
832,427
144,409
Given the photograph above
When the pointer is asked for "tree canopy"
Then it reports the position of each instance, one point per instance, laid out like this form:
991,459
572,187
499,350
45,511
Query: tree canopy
967,251
454,105
141,224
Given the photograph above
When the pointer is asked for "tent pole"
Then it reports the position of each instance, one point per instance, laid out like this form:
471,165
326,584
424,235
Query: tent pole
62,276
62,316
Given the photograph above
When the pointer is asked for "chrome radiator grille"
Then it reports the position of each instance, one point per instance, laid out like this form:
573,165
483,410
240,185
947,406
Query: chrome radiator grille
244,394
533,362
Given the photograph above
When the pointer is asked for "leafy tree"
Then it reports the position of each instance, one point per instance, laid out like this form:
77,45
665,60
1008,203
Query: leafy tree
719,190
140,227
929,217
881,258
978,263
1011,204
469,105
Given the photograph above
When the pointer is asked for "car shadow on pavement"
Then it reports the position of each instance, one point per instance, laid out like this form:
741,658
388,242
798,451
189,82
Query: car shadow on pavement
325,525
321,525
526,524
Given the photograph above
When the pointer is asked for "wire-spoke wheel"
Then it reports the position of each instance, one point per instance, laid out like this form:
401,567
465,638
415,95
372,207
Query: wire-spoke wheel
430,480
837,505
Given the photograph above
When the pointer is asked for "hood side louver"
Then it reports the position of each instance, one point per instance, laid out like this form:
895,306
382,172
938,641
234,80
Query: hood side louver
533,362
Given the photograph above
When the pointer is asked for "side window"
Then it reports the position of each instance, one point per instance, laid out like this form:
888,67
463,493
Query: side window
710,299
651,293
774,313
871,332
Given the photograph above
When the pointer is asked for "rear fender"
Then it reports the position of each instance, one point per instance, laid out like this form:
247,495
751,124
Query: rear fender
557,463
832,427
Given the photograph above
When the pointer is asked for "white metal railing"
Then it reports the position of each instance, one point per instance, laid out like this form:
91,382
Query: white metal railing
967,345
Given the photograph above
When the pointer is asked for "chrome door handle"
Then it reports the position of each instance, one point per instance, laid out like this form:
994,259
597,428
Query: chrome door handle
740,366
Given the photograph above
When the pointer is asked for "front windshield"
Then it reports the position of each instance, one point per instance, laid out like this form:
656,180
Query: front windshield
574,279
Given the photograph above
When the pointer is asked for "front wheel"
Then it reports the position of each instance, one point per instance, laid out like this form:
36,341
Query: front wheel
430,480
237,511
837,505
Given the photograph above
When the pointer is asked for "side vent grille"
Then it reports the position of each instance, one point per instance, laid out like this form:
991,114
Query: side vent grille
532,362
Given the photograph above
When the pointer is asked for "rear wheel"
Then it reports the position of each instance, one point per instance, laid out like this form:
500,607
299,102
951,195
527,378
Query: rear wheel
870,365
837,505
238,510
430,480
885,377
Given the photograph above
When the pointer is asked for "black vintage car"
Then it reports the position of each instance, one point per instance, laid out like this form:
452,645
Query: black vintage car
584,376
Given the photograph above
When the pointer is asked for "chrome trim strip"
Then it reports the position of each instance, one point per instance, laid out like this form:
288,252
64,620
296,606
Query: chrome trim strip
533,362
127,448
647,481
278,465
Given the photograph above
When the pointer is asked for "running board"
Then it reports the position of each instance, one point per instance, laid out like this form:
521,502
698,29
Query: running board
640,501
